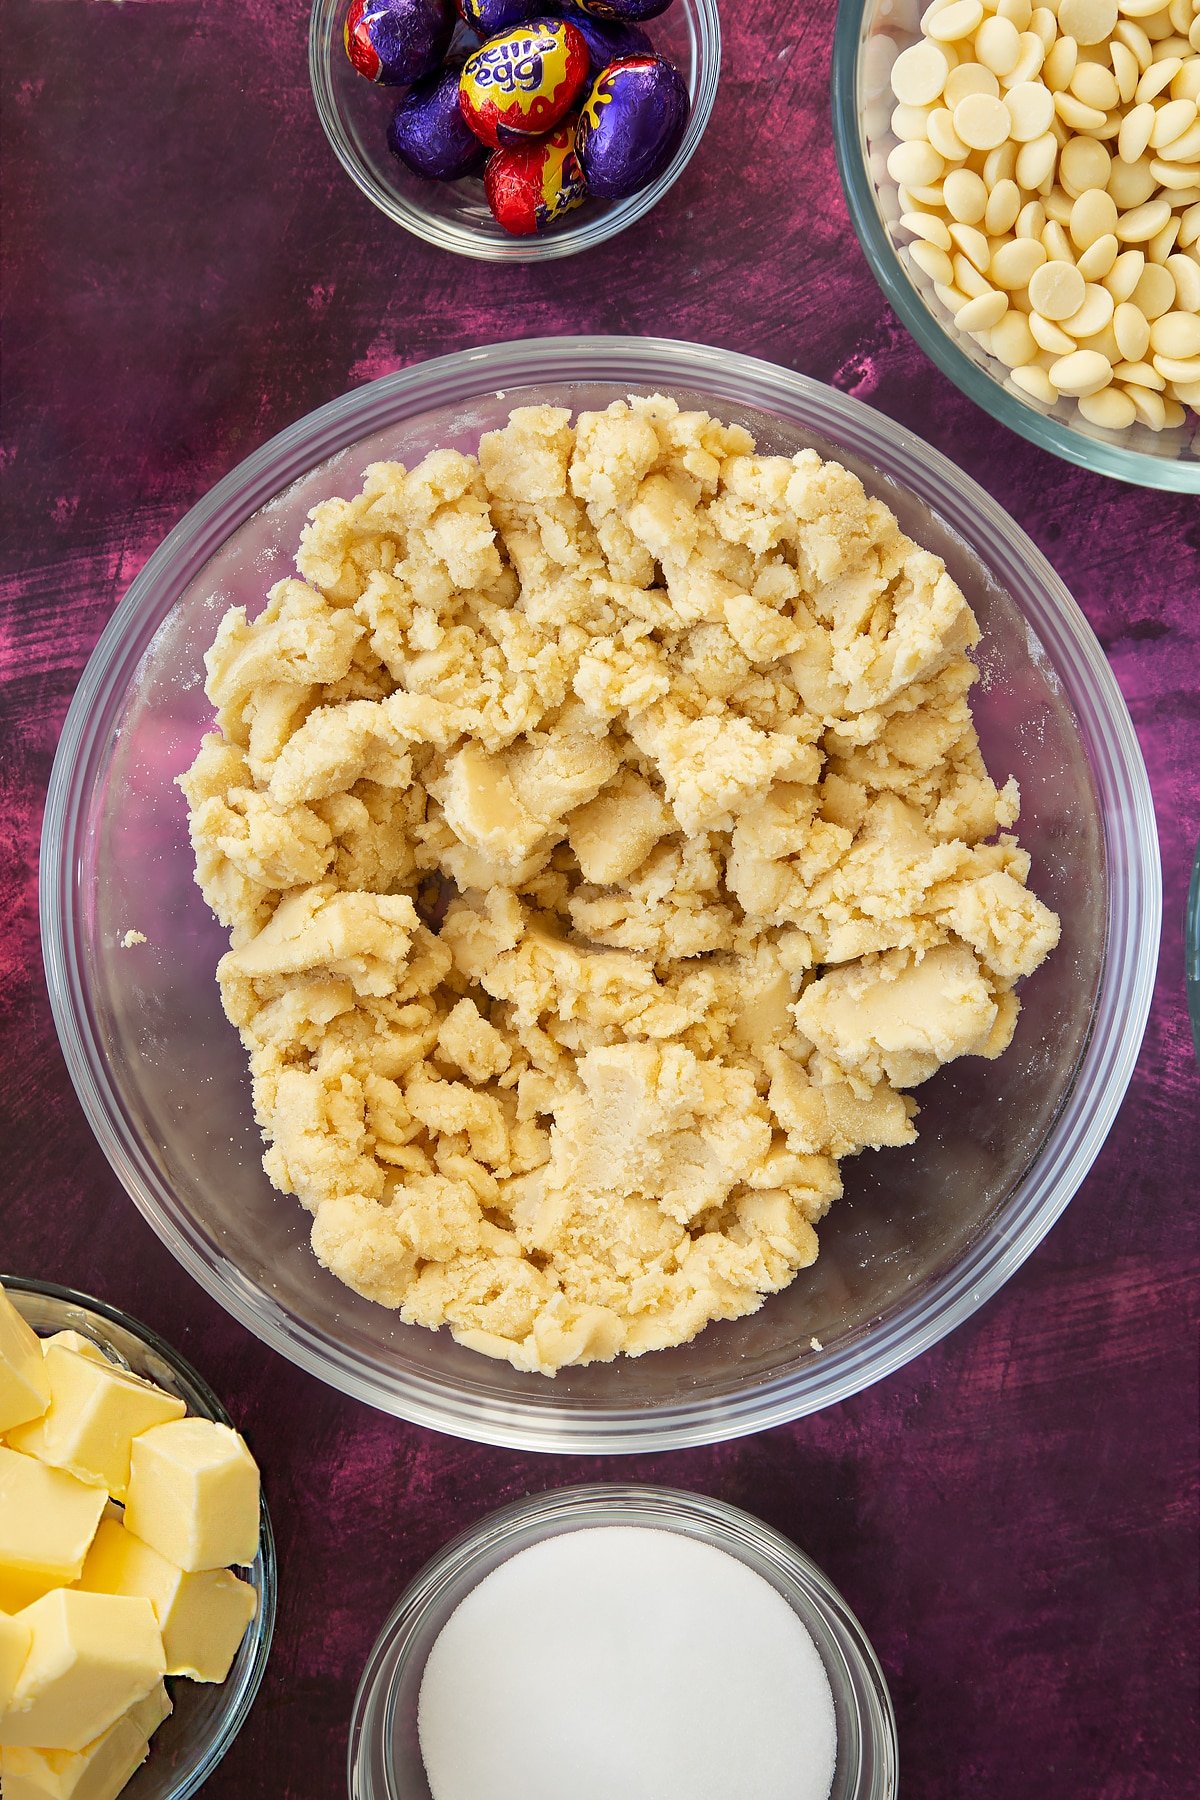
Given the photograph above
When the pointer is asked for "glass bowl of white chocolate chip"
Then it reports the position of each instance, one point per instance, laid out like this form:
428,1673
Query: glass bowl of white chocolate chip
1025,183
651,795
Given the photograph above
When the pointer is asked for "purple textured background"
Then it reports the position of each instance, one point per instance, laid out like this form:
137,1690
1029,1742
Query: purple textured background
187,272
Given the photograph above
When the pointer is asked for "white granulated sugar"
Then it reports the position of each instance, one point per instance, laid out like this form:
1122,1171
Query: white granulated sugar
624,1663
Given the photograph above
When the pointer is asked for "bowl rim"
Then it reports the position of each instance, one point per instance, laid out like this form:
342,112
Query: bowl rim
1167,474
243,1692
861,1686
704,28
535,1422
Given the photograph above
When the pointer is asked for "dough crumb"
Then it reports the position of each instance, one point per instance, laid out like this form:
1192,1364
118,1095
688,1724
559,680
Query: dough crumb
606,850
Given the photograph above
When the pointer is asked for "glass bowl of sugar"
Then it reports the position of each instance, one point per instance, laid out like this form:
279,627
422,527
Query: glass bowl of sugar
622,1639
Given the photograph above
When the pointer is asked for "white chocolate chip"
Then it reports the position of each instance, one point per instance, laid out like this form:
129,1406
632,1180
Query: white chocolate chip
1056,242
919,74
1049,336
1177,368
943,137
1176,334
1031,109
1143,221
998,45
969,78
1132,332
1083,372
1036,160
1171,122
1125,274
1029,61
1074,113
1093,315
982,312
1014,264
1099,257
915,164
927,226
1162,243
1094,215
1012,341
911,122
1155,290
1095,86
1134,134
933,261
1003,205
1060,62
1035,382
958,20
973,244
1125,69
1110,407
982,122
1141,373
1175,176
1158,76
1186,275
965,196
1057,290
1088,21
1148,405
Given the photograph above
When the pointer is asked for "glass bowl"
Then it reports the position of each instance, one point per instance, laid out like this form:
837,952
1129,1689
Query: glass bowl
869,36
207,1717
384,1753
923,1235
1191,949
454,215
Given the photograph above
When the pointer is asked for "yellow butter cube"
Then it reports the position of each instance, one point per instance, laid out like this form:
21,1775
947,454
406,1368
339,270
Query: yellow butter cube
74,1340
202,1617
97,1772
15,1639
24,1389
47,1522
92,1657
96,1410
193,1494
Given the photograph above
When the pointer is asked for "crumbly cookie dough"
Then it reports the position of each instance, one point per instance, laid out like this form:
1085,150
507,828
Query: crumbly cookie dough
605,846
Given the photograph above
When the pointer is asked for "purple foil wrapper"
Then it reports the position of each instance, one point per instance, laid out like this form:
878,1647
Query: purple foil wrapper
409,38
429,133
632,123
608,40
486,17
620,11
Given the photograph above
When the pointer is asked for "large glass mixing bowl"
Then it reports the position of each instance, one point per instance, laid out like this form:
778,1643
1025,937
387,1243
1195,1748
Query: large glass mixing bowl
923,1235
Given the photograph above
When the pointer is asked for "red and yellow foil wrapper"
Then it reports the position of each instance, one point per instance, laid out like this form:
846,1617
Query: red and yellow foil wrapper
529,189
521,83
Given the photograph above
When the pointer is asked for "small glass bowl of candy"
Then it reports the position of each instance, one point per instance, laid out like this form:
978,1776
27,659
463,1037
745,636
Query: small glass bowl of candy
455,215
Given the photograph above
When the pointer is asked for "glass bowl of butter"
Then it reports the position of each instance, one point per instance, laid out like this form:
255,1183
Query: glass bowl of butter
923,1235
205,1715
